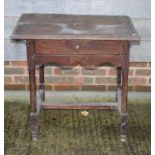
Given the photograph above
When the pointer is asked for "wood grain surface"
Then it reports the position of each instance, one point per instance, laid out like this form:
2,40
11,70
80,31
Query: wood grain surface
58,26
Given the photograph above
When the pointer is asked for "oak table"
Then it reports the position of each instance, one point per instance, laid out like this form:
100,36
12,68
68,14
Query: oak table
71,40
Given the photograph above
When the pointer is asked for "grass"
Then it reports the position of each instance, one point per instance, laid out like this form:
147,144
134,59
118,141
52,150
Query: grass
67,132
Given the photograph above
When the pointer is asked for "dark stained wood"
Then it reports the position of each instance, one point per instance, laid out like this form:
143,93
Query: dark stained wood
41,80
118,87
32,78
75,47
103,106
71,40
119,77
64,18
83,60
125,70
32,82
57,26
32,86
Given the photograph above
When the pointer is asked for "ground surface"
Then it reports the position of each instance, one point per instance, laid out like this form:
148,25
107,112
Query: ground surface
67,132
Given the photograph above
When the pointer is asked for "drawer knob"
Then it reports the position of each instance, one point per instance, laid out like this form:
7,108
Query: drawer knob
77,47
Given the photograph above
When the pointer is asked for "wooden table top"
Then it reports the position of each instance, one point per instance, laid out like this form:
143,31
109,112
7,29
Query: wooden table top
58,26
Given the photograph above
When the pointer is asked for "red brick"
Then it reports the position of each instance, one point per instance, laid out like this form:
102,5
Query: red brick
14,70
141,82
138,64
93,87
15,87
21,79
24,79
113,88
137,81
143,88
131,72
28,87
7,80
48,70
143,72
149,64
6,63
149,80
19,63
105,80
80,80
56,79
48,87
130,88
112,72
73,71
66,87
26,71
97,71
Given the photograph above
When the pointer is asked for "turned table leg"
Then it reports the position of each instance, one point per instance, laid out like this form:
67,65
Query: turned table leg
118,77
32,87
123,117
34,115
119,80
121,98
124,92
118,88
41,80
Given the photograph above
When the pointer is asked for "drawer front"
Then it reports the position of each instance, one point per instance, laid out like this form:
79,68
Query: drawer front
74,47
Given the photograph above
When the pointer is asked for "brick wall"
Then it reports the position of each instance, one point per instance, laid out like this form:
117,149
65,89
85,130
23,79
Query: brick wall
103,78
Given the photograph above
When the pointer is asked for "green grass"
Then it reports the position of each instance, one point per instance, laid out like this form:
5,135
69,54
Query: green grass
67,132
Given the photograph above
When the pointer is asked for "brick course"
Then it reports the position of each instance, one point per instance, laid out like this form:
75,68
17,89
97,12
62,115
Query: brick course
12,70
101,72
143,72
65,71
77,78
8,80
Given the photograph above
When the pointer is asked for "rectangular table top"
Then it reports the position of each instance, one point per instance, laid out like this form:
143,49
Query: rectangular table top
60,26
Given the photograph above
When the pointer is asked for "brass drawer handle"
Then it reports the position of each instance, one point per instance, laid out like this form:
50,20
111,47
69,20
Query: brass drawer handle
77,47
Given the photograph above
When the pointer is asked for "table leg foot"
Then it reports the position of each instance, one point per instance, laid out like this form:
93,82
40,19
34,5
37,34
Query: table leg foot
123,126
34,125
